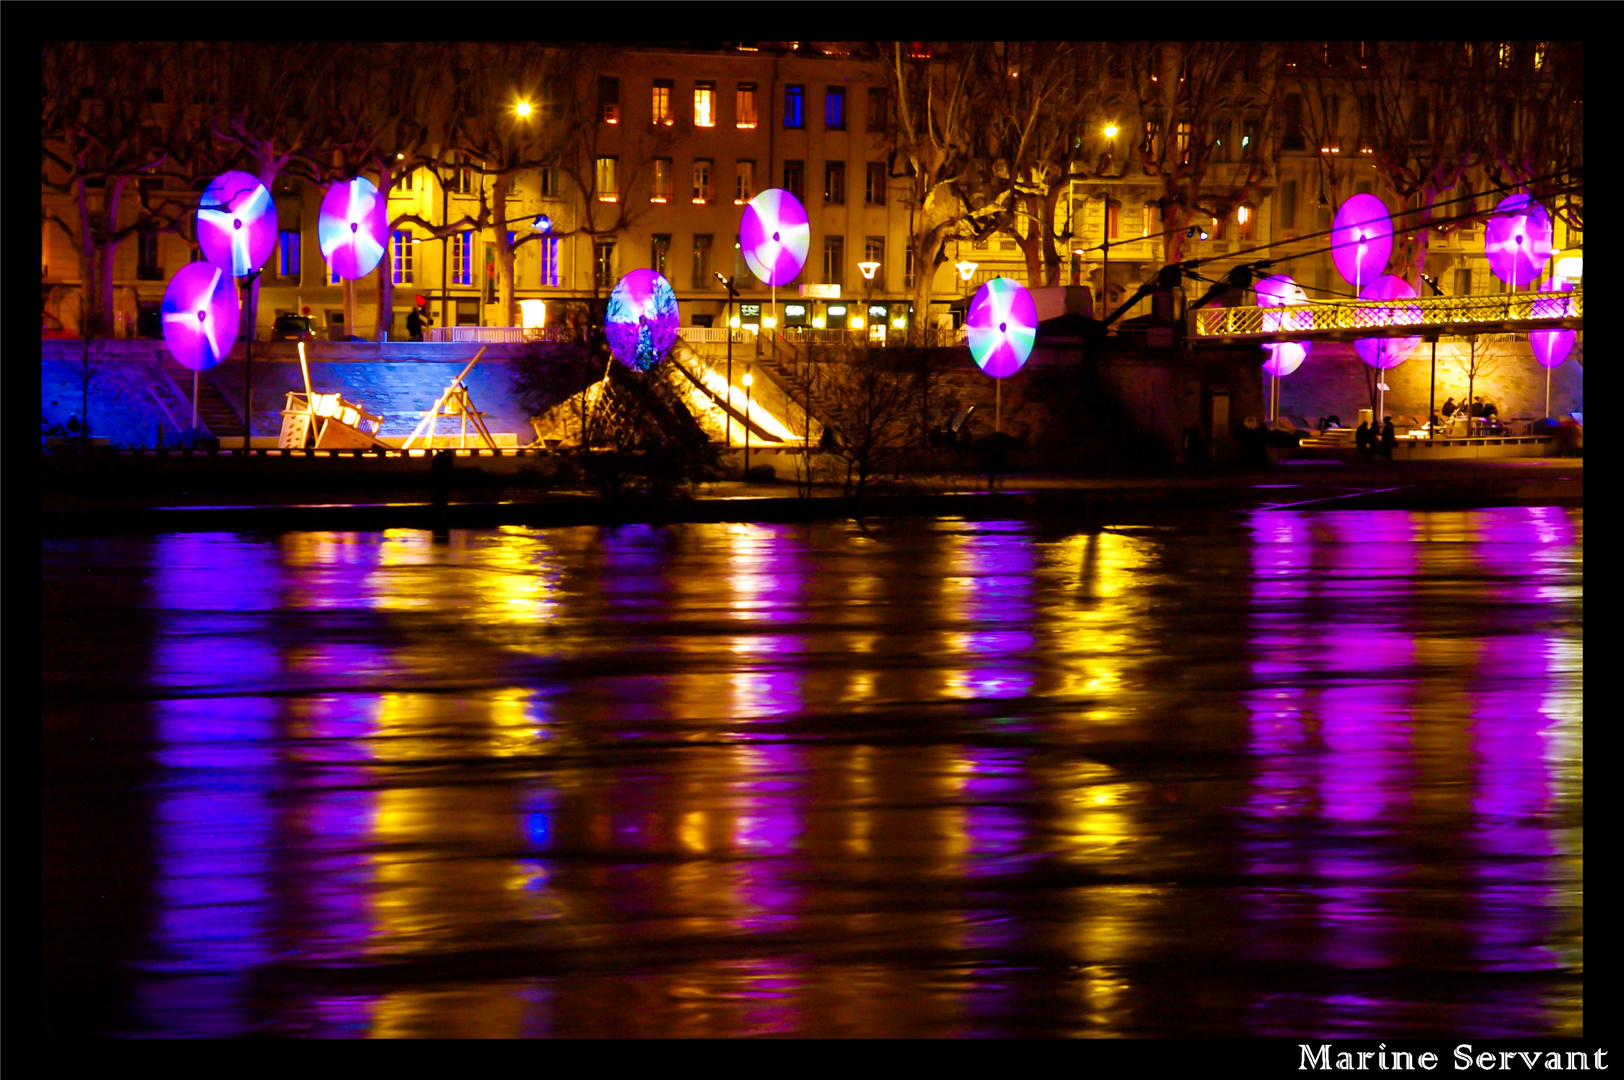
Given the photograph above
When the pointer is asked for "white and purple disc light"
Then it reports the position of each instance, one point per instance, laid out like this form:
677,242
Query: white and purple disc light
1389,352
352,227
641,320
236,223
1517,240
1551,347
1000,326
1276,291
774,236
1362,240
199,315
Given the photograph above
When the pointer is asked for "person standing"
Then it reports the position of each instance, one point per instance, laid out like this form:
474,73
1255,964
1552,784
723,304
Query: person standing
1362,439
415,321
1389,437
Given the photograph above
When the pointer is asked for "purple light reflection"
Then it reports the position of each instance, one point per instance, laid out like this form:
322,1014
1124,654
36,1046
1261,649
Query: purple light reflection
993,568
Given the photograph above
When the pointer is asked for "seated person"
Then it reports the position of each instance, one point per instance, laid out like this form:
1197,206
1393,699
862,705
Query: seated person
1449,408
1477,406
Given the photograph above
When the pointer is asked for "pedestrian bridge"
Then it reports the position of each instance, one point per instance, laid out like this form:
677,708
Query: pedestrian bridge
1345,320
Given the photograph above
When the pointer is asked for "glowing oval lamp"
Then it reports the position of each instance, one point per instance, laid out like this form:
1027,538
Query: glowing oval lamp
641,320
1551,347
1277,291
1000,326
1517,240
236,223
1387,353
774,235
352,227
199,315
1362,240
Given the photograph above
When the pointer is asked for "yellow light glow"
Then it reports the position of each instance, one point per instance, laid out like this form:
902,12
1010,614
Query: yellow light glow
818,322
769,322
734,323
1571,266
1243,214
856,322
965,269
868,269
1110,131
533,313
749,379
899,324
349,416
523,108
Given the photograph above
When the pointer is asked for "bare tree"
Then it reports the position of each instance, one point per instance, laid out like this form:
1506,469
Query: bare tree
1186,98
868,391
939,142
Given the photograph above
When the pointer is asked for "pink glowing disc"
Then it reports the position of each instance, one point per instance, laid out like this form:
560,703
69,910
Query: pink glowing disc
1551,347
774,235
353,227
1389,352
1280,291
1001,326
1517,241
641,320
236,223
199,315
1362,240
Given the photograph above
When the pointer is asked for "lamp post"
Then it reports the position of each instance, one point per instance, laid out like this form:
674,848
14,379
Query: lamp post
1105,233
732,294
248,367
748,379
966,269
869,269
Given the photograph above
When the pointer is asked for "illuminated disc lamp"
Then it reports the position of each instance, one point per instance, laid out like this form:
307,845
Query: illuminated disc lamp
1001,326
641,320
352,228
1362,240
1389,352
1277,291
774,236
236,223
1517,240
199,315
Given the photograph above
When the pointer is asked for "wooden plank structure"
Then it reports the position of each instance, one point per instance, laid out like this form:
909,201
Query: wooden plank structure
454,403
326,421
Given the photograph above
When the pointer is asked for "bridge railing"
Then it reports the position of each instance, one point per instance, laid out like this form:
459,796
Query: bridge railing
492,335
1379,314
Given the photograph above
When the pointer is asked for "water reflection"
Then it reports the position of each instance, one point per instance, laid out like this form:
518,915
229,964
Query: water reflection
936,778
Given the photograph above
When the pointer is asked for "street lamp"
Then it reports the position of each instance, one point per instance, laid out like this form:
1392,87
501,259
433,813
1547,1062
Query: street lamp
732,294
522,108
965,268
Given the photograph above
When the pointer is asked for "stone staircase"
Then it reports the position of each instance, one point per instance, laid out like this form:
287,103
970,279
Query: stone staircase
214,412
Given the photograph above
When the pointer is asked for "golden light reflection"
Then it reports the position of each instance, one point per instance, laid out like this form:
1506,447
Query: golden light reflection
1097,591
488,1011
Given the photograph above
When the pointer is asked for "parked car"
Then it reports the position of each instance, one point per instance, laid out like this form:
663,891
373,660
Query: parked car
294,328
51,327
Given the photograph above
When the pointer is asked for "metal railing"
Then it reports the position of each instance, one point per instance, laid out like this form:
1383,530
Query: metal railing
493,335
1431,311
715,335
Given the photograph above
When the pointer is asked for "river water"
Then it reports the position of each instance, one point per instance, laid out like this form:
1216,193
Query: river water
1279,774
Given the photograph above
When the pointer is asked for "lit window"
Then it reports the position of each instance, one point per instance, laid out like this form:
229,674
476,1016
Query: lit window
745,188
287,245
609,99
1113,214
744,105
462,257
662,101
704,105
402,247
605,180
703,192
549,260
834,108
662,190
794,100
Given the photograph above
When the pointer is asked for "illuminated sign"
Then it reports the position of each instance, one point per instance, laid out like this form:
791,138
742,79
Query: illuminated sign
837,309
822,292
